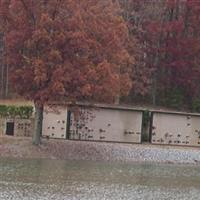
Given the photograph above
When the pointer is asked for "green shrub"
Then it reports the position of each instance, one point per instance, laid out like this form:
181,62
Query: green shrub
175,98
146,117
196,105
16,111
3,111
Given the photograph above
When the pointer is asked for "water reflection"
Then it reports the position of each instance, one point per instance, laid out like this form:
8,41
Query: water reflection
60,180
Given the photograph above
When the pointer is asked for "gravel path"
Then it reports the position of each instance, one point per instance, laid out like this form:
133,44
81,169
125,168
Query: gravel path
80,150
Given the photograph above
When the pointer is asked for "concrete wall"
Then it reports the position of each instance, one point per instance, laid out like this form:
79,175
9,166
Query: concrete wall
104,124
55,122
2,126
117,124
176,129
22,127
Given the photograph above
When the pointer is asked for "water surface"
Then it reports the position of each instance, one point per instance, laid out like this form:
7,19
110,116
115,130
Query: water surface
61,180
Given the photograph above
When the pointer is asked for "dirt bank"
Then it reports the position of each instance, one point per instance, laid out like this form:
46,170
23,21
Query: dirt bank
79,150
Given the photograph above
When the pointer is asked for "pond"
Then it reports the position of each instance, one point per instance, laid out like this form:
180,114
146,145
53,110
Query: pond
60,180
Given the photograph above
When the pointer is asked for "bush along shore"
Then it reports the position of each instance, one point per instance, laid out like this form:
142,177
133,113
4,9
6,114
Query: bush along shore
13,147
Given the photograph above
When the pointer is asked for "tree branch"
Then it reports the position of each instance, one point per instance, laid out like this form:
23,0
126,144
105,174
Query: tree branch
56,9
28,11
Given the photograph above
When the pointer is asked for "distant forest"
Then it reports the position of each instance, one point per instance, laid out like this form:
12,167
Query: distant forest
165,42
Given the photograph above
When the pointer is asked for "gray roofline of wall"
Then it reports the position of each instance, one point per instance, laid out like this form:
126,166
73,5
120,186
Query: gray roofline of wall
100,105
175,113
123,107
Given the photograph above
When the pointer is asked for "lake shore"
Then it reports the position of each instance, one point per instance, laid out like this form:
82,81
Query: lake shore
15,147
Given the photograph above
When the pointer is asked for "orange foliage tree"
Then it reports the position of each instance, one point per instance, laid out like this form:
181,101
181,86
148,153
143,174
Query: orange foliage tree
66,50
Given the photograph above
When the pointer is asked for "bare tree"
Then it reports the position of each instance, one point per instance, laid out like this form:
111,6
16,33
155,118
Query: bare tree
4,70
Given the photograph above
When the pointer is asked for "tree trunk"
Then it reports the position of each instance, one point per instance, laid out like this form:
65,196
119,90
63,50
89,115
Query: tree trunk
2,62
154,90
154,81
117,100
7,73
38,124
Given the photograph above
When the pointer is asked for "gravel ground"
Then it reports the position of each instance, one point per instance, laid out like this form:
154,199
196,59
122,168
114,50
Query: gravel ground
98,151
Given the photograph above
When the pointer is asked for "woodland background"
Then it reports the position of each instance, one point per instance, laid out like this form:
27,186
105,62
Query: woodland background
166,40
